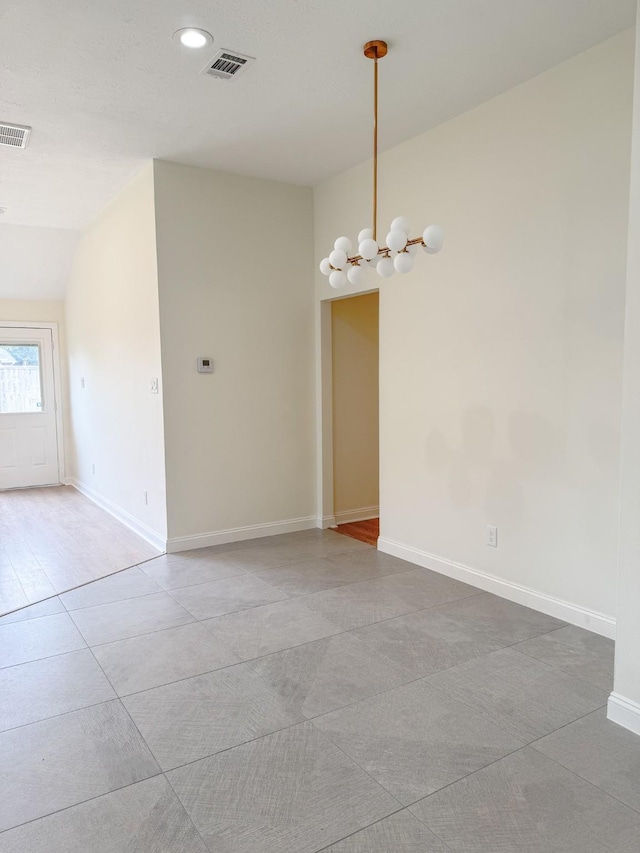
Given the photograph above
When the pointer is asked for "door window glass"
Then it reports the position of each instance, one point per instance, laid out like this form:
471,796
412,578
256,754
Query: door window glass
20,381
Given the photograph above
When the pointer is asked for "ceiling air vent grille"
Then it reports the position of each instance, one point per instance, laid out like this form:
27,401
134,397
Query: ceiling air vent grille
14,135
227,64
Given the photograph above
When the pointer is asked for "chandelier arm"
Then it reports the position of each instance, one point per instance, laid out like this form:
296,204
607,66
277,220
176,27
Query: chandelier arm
383,250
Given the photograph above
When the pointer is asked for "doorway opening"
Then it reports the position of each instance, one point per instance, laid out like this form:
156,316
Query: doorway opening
355,415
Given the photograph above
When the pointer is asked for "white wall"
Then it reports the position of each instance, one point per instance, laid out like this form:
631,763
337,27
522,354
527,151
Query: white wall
624,705
235,260
113,334
355,357
501,357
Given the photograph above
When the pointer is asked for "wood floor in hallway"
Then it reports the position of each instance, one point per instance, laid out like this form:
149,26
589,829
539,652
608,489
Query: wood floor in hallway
54,539
364,531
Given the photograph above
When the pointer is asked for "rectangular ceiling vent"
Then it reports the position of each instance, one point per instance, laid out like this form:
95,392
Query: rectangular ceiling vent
14,135
227,64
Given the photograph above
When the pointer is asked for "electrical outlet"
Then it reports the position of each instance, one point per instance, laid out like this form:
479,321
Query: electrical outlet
82,384
154,385
492,536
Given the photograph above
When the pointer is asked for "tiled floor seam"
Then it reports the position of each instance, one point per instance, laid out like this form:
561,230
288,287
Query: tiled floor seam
315,592
260,657
448,785
269,654
80,803
362,829
573,772
186,811
57,655
352,760
115,698
132,636
242,571
80,586
496,722
309,720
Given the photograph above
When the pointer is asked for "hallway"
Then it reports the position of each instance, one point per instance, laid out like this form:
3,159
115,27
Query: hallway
54,539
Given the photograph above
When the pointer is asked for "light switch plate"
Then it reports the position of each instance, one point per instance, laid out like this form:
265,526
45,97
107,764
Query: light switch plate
205,365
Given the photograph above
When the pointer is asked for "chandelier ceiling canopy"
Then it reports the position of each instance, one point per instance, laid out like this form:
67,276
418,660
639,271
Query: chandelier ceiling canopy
399,252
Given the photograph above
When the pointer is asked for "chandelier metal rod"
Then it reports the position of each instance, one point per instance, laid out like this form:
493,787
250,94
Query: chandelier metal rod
375,147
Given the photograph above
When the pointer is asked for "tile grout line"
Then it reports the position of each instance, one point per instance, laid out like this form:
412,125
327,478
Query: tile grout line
574,772
260,657
375,822
74,588
80,803
160,588
140,564
148,746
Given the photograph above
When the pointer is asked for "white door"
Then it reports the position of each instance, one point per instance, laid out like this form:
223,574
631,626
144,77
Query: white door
28,423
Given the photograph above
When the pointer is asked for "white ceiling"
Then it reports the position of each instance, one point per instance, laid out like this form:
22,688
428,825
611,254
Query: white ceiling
106,88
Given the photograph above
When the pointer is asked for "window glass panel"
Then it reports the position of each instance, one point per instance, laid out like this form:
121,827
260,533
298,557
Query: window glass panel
20,385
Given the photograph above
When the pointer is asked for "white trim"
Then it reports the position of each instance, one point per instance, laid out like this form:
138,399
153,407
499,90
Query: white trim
363,514
57,383
326,521
239,534
624,712
120,514
592,620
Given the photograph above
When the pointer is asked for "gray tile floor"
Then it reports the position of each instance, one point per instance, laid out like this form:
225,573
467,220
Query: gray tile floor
304,693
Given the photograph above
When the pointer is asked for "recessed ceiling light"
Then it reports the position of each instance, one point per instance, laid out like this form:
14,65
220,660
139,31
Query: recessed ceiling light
193,37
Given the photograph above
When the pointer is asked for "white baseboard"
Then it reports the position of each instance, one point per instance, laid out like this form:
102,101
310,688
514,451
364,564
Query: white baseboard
599,623
362,514
239,534
624,712
120,514
325,521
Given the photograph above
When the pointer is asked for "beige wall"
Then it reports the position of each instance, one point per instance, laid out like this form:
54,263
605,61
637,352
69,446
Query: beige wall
624,706
354,342
33,310
501,357
235,259
113,333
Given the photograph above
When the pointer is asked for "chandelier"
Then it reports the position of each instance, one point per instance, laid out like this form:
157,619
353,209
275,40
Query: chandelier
400,250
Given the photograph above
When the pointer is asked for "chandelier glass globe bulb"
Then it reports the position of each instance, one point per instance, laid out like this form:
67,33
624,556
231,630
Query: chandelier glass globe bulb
338,259
433,237
401,223
365,234
356,274
343,244
368,249
396,240
385,267
325,266
403,262
337,279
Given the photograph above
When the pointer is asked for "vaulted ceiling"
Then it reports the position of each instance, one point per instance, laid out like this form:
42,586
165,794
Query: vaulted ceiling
106,88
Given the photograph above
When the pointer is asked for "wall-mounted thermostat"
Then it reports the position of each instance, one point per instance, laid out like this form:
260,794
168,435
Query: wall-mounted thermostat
205,365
